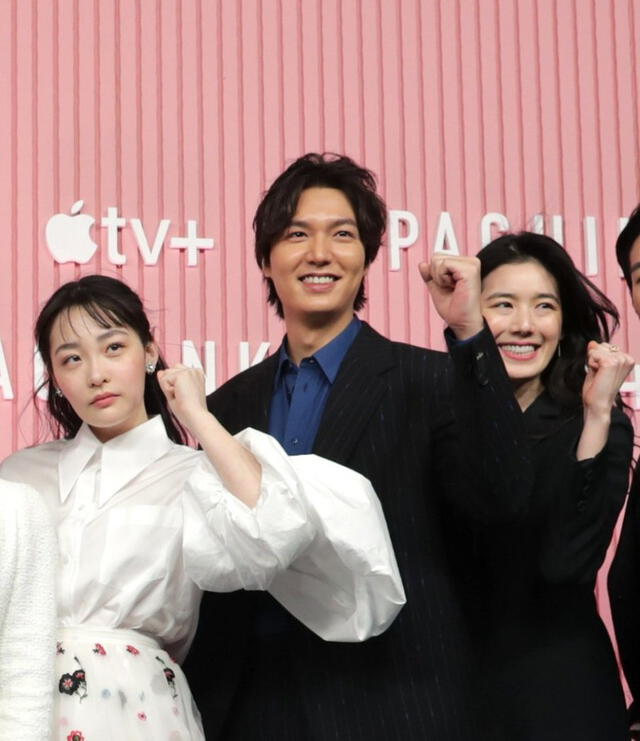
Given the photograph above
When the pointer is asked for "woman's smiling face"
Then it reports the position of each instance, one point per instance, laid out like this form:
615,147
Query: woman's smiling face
521,304
101,371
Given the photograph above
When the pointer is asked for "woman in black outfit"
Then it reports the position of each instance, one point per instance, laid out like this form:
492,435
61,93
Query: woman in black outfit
546,668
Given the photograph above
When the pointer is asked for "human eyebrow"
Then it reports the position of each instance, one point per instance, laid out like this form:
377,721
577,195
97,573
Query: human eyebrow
331,224
549,295
111,333
66,346
499,294
343,222
115,331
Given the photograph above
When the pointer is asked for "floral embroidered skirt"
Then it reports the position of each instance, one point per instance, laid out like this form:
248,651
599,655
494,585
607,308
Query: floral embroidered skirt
118,684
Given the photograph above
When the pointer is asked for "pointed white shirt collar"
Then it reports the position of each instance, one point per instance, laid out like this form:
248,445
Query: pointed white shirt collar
121,459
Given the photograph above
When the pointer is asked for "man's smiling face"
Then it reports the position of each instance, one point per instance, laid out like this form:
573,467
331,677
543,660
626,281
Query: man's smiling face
318,264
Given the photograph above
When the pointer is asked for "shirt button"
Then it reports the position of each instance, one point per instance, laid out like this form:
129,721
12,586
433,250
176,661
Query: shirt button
65,559
295,441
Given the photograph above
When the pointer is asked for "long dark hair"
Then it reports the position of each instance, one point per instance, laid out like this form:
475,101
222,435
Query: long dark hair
587,314
110,303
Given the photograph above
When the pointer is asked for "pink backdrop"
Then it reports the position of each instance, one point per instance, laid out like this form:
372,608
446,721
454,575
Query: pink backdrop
185,111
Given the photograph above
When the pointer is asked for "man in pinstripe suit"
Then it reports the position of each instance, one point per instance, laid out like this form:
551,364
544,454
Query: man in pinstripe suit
624,575
436,459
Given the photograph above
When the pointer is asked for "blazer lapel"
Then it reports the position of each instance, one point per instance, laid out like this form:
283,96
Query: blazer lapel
253,396
544,417
356,393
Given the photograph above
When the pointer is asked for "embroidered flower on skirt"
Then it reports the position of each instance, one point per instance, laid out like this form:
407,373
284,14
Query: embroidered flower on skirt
59,648
142,698
76,683
170,676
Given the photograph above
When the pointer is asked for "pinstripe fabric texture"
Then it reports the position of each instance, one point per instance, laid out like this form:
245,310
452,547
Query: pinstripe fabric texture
624,579
389,416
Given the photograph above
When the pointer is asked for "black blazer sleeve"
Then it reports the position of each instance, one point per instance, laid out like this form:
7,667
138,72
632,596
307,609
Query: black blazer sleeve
624,595
585,506
481,454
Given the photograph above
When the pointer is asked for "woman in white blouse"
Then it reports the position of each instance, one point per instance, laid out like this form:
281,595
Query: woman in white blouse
27,614
145,523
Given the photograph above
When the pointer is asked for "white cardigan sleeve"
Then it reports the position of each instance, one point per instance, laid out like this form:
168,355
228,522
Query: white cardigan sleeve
317,540
27,614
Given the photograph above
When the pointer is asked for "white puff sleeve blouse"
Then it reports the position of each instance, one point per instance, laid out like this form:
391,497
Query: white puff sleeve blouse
144,525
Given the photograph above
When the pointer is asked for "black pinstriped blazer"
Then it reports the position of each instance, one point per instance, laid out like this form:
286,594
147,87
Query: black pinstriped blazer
390,417
624,594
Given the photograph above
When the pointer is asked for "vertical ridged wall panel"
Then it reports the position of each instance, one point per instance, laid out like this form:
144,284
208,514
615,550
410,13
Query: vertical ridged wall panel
187,110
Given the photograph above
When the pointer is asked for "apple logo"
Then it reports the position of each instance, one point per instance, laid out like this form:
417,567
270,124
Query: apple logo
68,236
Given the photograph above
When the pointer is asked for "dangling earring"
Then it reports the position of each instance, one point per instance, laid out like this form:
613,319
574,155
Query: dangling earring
58,393
559,351
150,367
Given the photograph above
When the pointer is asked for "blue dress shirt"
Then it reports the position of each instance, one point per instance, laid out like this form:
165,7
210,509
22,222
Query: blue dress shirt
300,392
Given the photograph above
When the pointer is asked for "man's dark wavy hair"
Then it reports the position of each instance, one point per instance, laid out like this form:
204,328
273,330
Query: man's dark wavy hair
279,203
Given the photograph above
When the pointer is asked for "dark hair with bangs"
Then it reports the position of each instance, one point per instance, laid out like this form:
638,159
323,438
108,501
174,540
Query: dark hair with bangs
110,303
587,314
279,203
